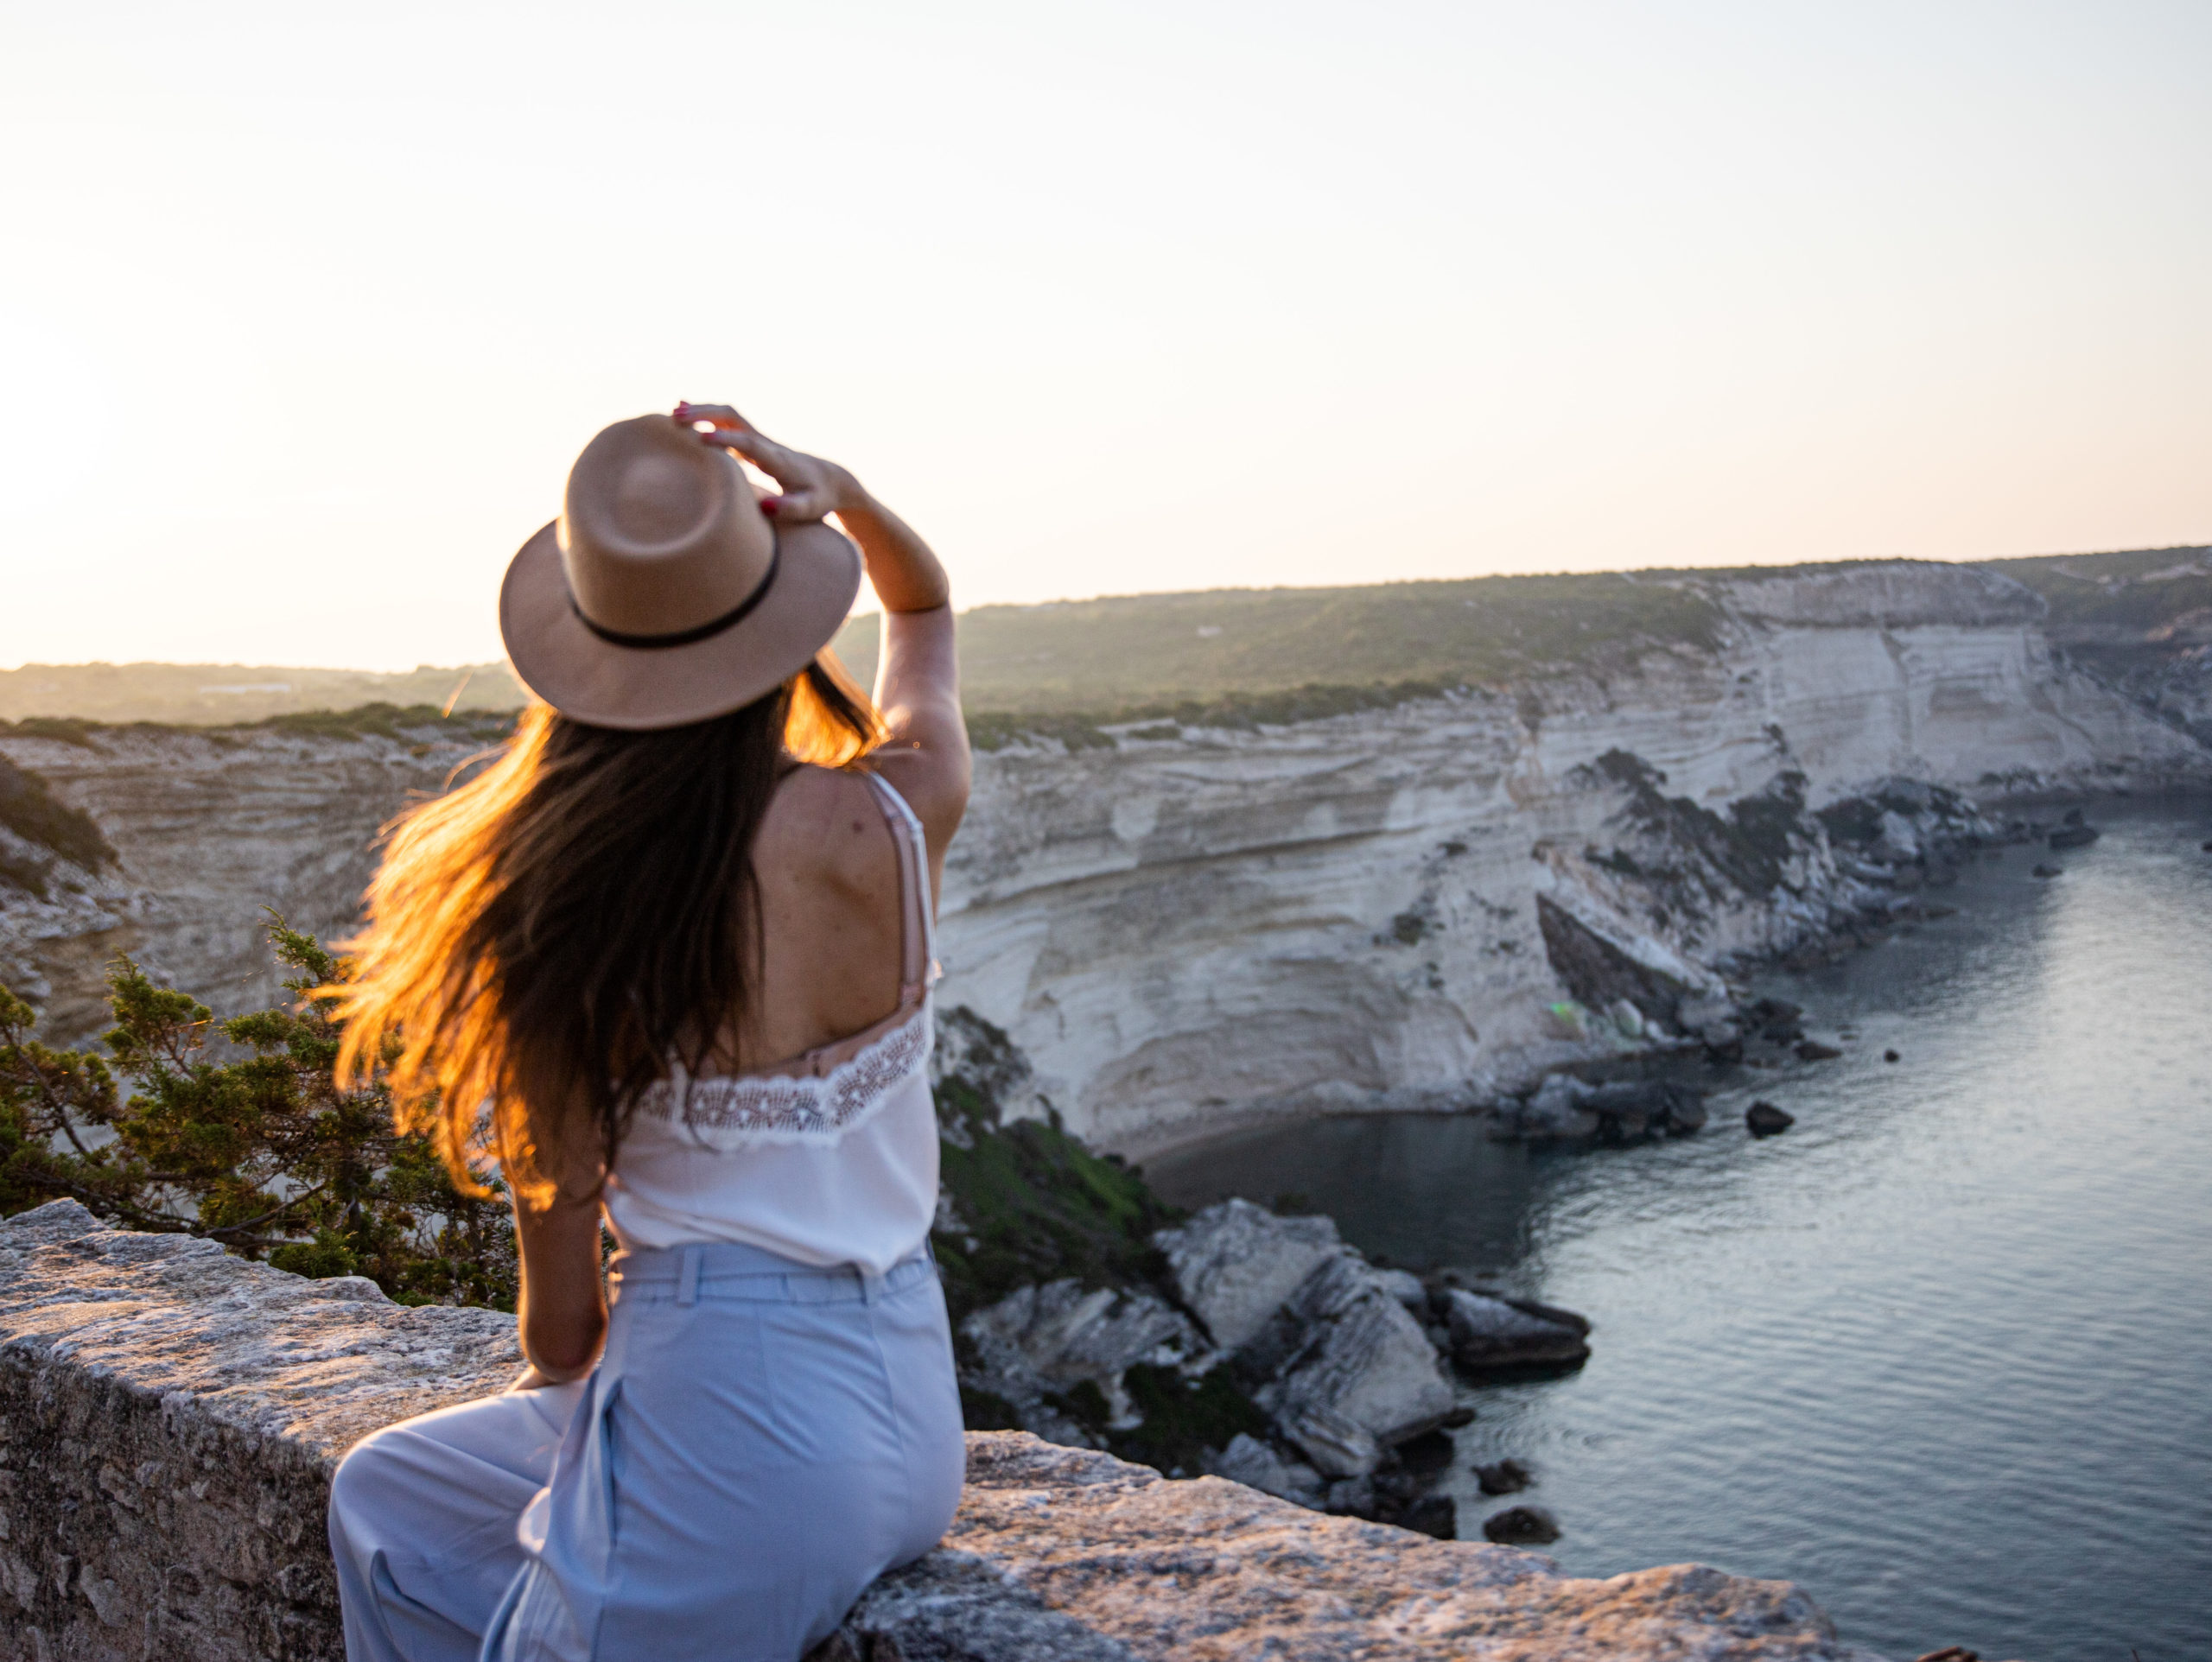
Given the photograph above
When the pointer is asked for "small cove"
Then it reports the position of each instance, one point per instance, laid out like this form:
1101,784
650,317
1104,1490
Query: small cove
1942,1352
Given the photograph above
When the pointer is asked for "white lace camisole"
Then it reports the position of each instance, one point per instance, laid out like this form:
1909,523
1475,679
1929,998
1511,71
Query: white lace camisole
828,1158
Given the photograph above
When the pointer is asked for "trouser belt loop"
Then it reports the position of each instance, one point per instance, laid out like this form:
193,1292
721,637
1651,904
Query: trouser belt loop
687,1278
871,1286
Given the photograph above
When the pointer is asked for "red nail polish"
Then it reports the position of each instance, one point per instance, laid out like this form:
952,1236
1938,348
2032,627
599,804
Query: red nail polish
768,505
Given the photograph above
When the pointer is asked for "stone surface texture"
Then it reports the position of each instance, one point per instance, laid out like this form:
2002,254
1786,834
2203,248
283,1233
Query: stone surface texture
1361,1356
1331,1346
169,1416
1237,1264
172,1414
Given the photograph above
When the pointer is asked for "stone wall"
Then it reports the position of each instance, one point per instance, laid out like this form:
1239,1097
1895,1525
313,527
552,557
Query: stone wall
169,1416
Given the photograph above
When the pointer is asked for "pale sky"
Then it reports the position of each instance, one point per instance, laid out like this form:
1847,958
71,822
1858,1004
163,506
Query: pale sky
305,309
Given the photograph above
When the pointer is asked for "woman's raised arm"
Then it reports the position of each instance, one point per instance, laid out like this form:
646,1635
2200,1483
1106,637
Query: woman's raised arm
917,673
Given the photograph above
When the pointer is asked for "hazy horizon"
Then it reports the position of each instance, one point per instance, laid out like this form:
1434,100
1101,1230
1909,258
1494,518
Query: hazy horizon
309,311
498,659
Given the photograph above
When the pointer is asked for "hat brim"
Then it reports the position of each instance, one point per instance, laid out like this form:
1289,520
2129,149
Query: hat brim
591,680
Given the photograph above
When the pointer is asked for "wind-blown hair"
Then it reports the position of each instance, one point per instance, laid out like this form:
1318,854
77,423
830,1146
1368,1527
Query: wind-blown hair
544,940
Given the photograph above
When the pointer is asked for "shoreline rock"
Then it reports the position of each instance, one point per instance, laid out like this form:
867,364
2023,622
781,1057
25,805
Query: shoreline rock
1490,1333
1523,1525
1502,1477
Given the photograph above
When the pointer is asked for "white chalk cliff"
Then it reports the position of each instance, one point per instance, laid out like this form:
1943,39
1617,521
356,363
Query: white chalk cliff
1190,932
1186,933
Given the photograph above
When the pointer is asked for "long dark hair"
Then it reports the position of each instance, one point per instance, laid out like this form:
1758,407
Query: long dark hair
545,939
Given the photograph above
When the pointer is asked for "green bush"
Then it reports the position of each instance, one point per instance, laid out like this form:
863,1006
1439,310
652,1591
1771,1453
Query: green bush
250,1143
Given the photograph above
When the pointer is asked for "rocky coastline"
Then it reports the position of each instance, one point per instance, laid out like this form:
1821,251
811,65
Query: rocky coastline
1233,1341
1542,902
1874,862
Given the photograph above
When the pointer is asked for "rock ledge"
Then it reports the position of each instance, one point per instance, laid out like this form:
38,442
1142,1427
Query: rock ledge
169,1416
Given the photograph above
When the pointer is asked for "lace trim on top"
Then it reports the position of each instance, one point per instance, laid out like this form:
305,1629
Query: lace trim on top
737,1110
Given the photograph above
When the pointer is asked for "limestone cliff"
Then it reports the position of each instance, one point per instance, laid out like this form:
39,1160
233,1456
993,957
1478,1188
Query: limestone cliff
1188,927
1195,927
214,825
169,1417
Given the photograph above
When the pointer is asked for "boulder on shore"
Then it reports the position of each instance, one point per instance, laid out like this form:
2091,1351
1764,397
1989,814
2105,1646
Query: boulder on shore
1356,1355
1253,1463
1564,1109
1341,1364
1041,1341
1236,1263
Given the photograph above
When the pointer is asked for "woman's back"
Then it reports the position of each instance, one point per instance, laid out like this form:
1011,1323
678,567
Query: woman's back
828,1154
831,920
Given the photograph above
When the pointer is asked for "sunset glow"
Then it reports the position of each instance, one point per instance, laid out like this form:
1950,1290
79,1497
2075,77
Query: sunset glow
306,310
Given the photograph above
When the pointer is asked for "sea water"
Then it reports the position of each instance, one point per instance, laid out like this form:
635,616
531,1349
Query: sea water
1942,1352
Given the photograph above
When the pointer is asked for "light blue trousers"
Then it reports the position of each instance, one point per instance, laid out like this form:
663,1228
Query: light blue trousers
760,1442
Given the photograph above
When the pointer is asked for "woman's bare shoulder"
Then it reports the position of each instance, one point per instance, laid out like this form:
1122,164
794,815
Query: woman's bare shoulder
827,823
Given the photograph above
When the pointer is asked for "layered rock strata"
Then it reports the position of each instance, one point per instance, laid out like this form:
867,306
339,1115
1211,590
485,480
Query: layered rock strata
209,827
1191,928
172,1414
1396,908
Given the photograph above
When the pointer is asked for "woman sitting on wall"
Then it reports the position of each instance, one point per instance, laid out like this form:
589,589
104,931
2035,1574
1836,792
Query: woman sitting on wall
677,944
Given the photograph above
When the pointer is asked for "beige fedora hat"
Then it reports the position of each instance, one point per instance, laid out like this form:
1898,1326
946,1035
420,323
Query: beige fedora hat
662,594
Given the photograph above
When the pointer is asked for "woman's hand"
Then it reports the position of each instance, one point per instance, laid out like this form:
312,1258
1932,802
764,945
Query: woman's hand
813,488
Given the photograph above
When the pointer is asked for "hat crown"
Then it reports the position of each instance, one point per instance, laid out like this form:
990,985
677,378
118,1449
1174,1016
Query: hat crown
659,533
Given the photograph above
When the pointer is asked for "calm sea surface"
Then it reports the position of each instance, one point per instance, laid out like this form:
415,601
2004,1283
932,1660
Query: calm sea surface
1942,1352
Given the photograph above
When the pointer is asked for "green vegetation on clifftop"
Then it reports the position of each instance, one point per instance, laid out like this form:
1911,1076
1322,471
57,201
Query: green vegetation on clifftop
1126,657
1210,657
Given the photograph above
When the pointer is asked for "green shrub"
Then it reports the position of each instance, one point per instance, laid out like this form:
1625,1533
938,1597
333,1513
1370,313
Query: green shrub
251,1144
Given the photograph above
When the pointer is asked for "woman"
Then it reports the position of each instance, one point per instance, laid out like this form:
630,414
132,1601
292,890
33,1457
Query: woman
678,941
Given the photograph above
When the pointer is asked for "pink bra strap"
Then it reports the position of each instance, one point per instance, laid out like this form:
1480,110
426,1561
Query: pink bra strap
914,930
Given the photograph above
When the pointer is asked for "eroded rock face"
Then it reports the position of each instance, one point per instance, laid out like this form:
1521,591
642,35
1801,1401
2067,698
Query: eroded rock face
209,827
1330,1350
1361,1356
1188,933
1332,1346
1044,1340
1488,1332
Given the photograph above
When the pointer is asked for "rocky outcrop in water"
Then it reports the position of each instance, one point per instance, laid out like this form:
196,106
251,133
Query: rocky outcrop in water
1339,1362
1299,1367
172,1416
1492,1333
1568,1109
